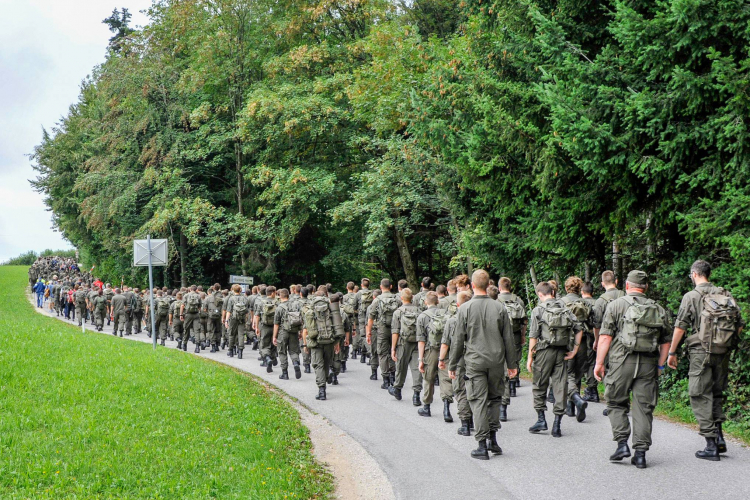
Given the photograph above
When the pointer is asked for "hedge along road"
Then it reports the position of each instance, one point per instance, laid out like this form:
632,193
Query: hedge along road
425,458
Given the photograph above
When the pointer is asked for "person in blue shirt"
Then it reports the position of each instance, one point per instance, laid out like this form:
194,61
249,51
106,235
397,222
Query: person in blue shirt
39,289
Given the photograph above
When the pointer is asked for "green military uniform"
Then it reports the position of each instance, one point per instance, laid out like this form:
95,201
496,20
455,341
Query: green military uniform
138,310
214,306
178,323
321,339
372,347
426,332
383,316
288,336
237,307
204,321
632,372
339,359
119,316
459,383
708,373
349,307
449,303
80,302
549,361
363,301
100,310
109,293
161,316
306,356
191,311
484,335
418,300
576,367
597,316
130,301
265,310
90,298
224,328
404,323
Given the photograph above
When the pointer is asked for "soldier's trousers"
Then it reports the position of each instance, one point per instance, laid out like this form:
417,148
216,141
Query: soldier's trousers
129,322
266,342
162,325
288,347
138,320
407,355
372,348
707,381
459,391
337,358
81,313
590,362
236,332
322,361
484,390
213,327
99,317
306,357
576,369
549,368
387,365
431,357
178,329
641,378
362,334
193,327
120,319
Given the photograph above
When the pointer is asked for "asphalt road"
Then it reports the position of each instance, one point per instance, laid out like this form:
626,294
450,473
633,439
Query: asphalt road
425,458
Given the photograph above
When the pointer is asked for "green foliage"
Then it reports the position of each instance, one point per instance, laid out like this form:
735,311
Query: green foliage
96,423
28,258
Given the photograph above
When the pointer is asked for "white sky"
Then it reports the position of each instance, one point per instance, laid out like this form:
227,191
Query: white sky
47,47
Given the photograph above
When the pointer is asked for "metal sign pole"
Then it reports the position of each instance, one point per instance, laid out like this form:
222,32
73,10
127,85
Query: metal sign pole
151,291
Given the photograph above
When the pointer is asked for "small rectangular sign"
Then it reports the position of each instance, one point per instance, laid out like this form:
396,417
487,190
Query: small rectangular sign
240,280
159,253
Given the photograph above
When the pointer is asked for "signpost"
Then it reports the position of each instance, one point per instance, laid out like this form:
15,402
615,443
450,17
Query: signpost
150,253
240,280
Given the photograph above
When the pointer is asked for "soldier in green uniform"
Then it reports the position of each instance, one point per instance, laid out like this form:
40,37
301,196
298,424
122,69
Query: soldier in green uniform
119,317
418,299
323,327
714,321
264,316
237,309
214,305
611,292
79,296
177,322
371,336
554,338
190,310
484,335
250,330
576,367
304,305
449,302
588,370
364,297
287,325
129,308
430,329
517,312
350,308
404,347
636,334
137,310
458,383
93,293
108,294
161,315
386,305
100,309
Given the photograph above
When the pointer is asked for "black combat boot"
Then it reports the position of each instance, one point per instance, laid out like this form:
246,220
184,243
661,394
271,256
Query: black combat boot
307,367
354,354
223,343
518,381
447,412
363,359
570,409
374,375
197,349
255,344
424,411
503,413
639,460
184,346
621,452
297,371
269,364
230,352
512,391
481,452
284,375
120,334
162,342
551,397
321,394
605,412
556,432
581,406
721,444
239,353
540,425
710,453
203,345
262,361
415,399
591,395
395,392
343,367
386,381
335,379
493,446
213,348
392,379
179,344
464,430
329,378
113,333
471,423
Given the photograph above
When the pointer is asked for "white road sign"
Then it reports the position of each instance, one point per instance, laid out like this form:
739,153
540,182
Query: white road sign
159,254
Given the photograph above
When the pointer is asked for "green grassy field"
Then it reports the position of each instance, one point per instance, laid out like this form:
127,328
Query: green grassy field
84,415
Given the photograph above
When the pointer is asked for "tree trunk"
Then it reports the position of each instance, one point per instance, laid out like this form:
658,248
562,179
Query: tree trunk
183,259
532,272
240,192
408,264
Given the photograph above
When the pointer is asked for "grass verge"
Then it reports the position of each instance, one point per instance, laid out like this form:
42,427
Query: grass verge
85,415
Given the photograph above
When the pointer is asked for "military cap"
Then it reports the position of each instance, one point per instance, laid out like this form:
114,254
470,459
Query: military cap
638,278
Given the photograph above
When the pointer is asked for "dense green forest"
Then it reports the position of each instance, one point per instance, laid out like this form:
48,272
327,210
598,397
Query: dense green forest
28,258
324,140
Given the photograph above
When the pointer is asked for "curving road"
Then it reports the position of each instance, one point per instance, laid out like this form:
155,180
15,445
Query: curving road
425,458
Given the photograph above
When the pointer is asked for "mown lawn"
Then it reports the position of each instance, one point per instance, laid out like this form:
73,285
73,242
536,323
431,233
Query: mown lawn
86,415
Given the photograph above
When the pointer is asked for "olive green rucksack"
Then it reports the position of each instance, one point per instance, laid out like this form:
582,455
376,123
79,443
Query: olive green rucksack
436,326
408,326
718,321
387,305
641,325
318,321
365,298
193,303
218,303
240,306
268,311
582,311
557,326
350,303
516,312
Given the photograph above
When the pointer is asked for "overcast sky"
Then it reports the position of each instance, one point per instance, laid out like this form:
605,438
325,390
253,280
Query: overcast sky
47,47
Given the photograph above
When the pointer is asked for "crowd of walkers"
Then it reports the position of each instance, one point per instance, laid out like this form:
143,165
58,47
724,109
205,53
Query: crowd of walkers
464,340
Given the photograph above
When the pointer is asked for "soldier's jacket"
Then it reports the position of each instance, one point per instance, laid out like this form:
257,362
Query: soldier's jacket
445,302
100,303
251,300
361,307
129,296
375,311
418,300
185,301
91,296
396,321
535,331
601,305
484,334
505,296
572,297
689,314
282,308
232,300
449,333
612,325
80,297
145,302
372,312
118,303
424,321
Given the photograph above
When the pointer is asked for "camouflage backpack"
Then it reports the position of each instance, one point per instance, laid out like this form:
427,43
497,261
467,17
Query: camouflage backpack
718,321
557,326
641,325
408,326
365,298
218,304
162,306
292,318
